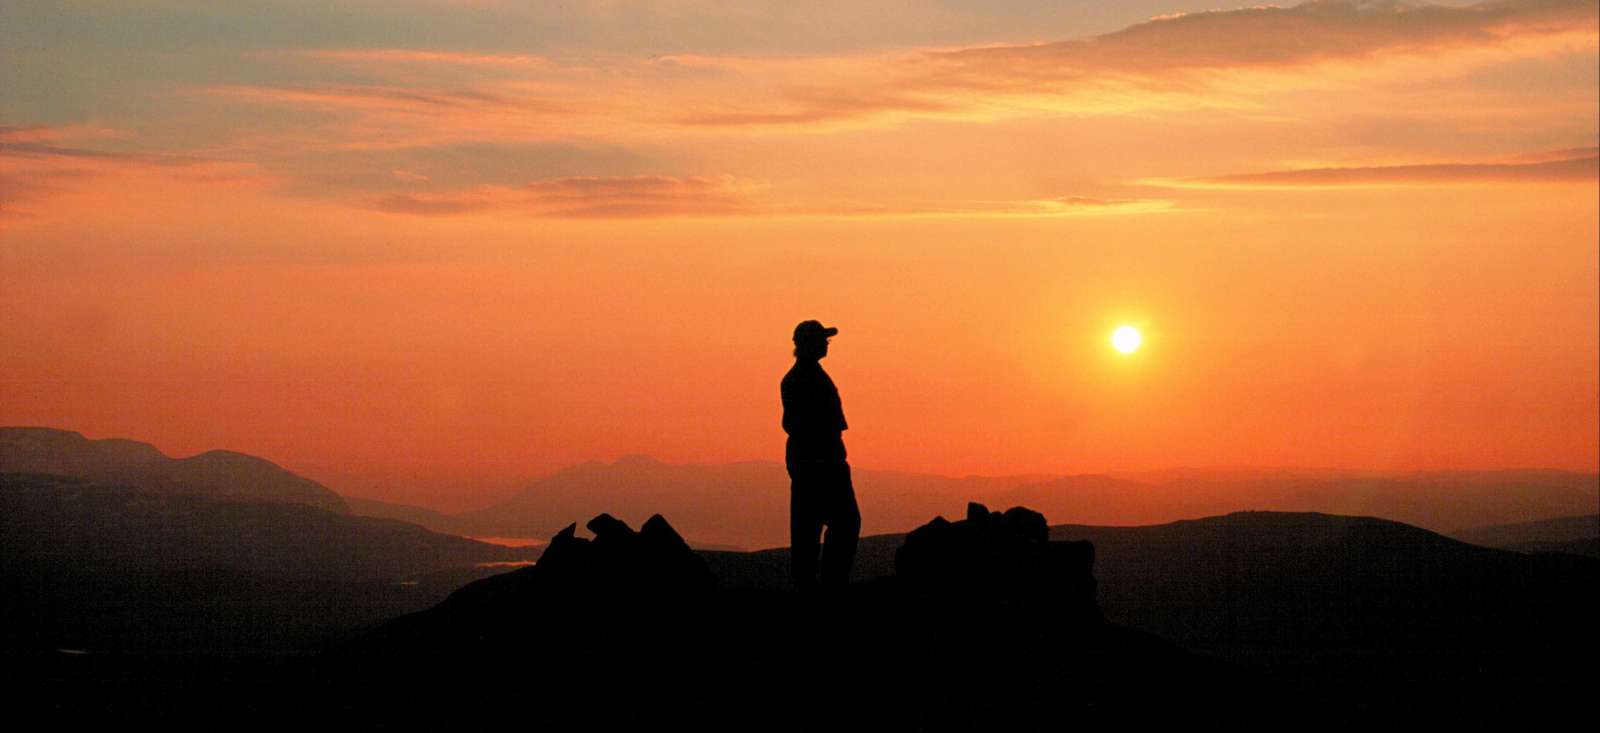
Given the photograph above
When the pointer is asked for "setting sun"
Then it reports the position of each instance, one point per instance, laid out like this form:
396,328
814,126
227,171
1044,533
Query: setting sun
1126,339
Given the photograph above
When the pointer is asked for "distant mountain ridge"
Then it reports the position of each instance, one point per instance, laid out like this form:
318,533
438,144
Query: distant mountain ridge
743,504
434,520
1579,535
215,474
746,504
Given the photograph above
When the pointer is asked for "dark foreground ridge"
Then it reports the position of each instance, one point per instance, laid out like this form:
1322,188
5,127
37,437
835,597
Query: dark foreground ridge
978,624
986,625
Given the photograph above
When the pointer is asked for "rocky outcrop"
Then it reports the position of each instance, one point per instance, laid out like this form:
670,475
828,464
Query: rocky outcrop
580,580
653,560
1003,556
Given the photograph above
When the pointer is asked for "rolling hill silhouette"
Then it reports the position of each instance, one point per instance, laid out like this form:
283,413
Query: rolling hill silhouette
217,473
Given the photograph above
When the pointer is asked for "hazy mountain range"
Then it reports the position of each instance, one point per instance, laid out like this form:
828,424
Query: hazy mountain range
1578,535
216,474
746,504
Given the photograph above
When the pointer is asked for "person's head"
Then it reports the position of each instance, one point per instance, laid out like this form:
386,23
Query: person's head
811,340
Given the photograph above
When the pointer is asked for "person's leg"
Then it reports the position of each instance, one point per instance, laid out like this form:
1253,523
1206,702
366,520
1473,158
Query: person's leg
844,527
805,526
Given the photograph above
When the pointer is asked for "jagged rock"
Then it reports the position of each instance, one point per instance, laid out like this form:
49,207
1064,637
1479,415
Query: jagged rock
671,557
606,526
566,556
620,561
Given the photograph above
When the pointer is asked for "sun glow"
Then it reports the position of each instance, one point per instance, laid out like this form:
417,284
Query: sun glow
1126,339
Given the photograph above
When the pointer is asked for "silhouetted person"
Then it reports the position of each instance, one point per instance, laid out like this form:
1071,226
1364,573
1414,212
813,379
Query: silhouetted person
820,493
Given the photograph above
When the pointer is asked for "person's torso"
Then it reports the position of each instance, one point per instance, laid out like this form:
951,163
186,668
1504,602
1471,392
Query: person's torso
811,405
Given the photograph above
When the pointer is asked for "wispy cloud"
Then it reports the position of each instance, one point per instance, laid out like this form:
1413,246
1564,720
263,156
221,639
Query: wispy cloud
392,98
634,197
586,197
37,166
1268,36
1585,166
424,57
1169,61
1060,206
47,151
356,124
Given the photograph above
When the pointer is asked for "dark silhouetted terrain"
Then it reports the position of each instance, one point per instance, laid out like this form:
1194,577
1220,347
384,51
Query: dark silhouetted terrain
986,626
199,602
1250,620
1382,616
103,567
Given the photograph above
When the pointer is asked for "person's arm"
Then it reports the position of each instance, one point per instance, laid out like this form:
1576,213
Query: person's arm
791,413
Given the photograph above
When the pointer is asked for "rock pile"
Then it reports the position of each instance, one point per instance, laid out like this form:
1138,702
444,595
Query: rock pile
1000,554
654,559
583,581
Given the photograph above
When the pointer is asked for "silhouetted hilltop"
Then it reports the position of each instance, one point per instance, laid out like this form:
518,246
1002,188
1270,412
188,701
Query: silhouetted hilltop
1299,578
1264,576
1441,501
217,473
1578,535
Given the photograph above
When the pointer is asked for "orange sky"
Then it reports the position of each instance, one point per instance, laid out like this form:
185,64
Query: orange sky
431,257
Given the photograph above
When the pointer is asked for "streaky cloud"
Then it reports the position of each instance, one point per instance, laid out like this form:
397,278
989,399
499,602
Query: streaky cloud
601,197
1169,55
387,97
418,56
1268,35
633,197
1585,168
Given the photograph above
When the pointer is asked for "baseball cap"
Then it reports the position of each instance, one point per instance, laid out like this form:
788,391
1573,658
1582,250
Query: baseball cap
813,329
